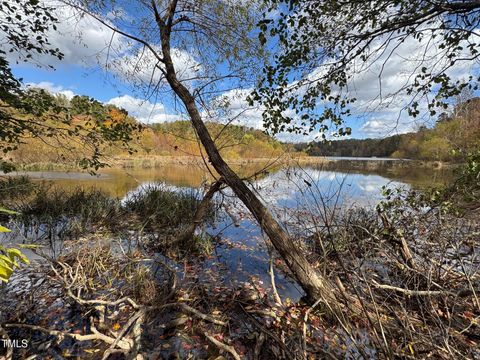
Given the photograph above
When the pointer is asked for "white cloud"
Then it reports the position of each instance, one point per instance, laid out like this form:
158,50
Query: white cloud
52,88
379,84
82,40
232,107
86,42
143,110
379,127
387,122
295,138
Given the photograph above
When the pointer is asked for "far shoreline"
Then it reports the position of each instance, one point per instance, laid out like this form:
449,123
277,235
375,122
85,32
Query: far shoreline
158,161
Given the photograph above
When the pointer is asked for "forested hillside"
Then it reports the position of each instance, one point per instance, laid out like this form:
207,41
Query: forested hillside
452,137
234,142
354,147
161,139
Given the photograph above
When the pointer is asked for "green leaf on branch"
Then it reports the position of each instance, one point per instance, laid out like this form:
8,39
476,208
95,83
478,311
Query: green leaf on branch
6,211
6,268
4,229
14,254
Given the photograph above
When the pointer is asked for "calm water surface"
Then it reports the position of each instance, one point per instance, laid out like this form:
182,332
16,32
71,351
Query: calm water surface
309,190
364,175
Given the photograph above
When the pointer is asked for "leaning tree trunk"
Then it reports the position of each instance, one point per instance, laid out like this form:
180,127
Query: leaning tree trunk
200,213
313,284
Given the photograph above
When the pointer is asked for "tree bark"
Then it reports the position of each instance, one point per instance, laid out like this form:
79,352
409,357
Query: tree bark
314,285
200,212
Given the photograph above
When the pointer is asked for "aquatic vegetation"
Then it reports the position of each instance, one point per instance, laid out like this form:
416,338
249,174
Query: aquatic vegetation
50,211
157,207
13,186
156,213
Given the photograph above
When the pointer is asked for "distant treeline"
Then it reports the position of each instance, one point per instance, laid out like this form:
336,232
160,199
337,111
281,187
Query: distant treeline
353,147
453,136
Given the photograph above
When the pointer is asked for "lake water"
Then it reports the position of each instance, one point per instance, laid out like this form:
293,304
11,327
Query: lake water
313,190
364,175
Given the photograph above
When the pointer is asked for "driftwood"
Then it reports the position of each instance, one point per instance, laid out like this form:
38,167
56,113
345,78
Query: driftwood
119,343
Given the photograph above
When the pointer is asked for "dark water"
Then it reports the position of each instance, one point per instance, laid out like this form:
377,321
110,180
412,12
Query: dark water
312,190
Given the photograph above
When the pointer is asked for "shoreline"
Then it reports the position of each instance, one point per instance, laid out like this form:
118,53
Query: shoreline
156,161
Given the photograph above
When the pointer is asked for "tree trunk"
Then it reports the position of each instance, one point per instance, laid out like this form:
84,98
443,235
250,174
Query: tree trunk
200,212
314,285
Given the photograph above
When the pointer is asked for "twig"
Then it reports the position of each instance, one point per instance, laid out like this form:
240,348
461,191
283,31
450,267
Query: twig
278,300
460,293
258,346
267,332
305,319
123,332
404,248
269,313
234,219
222,346
123,344
137,337
103,302
200,315
410,292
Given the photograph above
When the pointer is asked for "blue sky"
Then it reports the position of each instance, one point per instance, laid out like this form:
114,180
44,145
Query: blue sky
92,82
84,71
